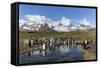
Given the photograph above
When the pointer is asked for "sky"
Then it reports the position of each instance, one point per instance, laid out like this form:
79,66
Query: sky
66,15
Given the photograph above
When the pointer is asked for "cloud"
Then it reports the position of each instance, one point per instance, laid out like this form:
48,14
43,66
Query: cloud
21,22
44,19
63,24
85,22
65,21
36,19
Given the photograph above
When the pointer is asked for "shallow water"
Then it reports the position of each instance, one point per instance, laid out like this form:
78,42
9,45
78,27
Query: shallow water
56,54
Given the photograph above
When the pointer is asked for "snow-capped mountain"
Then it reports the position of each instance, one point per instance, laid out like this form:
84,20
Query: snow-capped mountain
30,26
62,28
41,23
35,27
59,27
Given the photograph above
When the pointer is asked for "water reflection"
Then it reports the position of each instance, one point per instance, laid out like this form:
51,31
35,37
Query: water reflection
52,54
